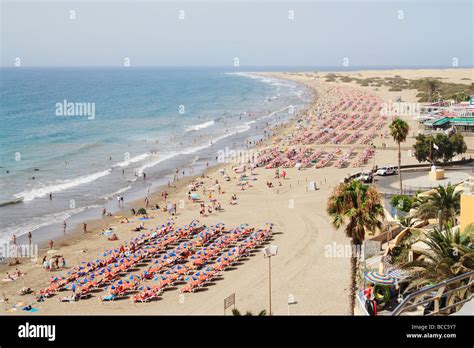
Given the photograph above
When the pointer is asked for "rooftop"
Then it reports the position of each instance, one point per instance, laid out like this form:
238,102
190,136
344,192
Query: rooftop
457,121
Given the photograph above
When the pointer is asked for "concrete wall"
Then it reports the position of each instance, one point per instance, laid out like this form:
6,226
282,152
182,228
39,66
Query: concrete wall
467,210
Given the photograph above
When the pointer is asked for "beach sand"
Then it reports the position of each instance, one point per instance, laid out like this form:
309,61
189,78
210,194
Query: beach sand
302,231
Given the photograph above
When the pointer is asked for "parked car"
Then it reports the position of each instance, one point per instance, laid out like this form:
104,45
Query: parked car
366,177
350,177
387,170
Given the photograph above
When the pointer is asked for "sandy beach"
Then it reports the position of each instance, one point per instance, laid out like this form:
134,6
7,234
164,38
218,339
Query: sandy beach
302,229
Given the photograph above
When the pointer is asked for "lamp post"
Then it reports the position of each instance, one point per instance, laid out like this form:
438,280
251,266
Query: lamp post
268,252
373,164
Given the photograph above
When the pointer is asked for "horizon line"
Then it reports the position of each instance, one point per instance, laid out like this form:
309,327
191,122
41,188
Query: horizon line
240,68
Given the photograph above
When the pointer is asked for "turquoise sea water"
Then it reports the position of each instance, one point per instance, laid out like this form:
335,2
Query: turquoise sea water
150,120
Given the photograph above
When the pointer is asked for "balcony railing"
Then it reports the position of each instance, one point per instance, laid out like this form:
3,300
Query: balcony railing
469,186
456,291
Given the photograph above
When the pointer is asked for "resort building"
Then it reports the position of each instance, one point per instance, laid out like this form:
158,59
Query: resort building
441,116
460,124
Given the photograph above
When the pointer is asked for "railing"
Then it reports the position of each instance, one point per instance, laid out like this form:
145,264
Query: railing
439,164
469,186
457,291
360,304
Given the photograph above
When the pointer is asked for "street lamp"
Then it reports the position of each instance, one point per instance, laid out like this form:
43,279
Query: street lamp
268,252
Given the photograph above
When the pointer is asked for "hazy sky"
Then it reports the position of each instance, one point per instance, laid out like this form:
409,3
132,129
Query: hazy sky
258,33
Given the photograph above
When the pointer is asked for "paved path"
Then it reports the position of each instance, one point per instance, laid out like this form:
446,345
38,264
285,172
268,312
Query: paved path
413,181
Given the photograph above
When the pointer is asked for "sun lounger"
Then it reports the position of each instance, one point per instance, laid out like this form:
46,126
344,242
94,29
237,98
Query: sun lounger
107,297
70,298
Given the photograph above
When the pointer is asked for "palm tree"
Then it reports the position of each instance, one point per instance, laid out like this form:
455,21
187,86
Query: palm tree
451,253
399,131
360,206
444,204
432,86
236,312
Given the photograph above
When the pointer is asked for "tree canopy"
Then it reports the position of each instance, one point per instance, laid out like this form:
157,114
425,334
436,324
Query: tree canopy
448,147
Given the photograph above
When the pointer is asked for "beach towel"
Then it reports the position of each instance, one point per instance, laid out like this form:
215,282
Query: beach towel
30,309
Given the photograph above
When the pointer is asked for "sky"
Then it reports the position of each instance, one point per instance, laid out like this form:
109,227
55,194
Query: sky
350,33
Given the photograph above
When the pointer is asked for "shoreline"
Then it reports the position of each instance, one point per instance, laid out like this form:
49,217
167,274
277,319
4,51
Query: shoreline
96,225
159,157
157,178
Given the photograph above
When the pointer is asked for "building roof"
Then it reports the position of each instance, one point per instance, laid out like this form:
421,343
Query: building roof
455,121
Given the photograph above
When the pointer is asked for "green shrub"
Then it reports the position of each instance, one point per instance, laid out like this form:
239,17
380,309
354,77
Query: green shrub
402,202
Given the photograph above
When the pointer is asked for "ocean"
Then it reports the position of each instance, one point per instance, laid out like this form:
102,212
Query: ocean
86,135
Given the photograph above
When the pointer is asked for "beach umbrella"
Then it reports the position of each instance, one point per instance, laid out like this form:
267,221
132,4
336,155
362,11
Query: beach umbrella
380,278
398,274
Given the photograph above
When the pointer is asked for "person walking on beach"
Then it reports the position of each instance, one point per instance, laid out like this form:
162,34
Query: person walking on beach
144,176
104,211
84,227
64,226
51,244
14,240
50,196
5,299
146,202
30,237
45,263
121,200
